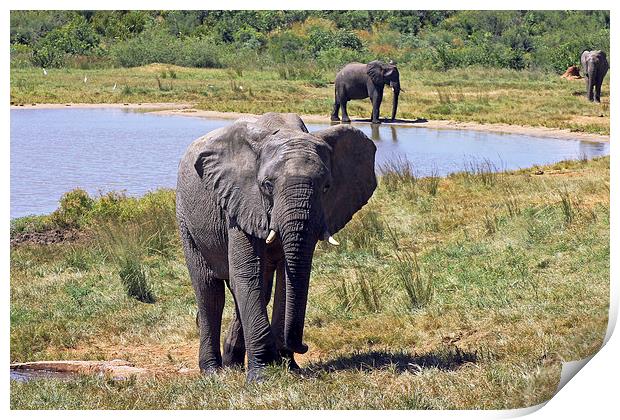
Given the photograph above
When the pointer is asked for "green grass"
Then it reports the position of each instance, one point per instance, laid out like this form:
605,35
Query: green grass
472,94
465,295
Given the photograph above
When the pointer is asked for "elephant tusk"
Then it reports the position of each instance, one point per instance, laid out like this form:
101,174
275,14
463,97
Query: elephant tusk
271,237
332,241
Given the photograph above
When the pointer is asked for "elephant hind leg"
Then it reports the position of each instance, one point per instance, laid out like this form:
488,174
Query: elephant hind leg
334,116
234,344
210,299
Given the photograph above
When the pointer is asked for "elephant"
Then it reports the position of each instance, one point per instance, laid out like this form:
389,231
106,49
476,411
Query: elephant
252,200
594,65
359,81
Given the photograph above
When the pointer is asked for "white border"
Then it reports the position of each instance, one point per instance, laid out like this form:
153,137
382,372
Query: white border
593,393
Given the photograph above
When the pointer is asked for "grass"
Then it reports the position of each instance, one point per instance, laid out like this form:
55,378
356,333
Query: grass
465,296
473,94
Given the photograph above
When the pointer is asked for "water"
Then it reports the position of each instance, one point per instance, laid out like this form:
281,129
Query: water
25,375
99,150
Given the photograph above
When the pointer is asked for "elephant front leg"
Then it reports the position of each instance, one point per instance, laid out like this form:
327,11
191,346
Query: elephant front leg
245,257
345,115
234,344
590,87
376,98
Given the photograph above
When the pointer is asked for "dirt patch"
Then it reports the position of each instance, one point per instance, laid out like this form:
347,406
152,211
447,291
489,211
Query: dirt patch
47,237
571,73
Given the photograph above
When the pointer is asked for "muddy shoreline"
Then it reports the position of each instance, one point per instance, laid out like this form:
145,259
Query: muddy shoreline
187,110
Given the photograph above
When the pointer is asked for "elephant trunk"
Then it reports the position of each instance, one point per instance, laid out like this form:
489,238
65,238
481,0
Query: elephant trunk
396,87
296,217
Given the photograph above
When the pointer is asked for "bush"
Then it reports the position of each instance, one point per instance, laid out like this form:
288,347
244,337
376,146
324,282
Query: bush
75,37
154,45
286,47
198,52
73,210
21,55
157,45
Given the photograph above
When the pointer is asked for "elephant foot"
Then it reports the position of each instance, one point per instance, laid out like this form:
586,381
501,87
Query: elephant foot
256,375
346,120
288,357
335,119
375,122
208,369
233,358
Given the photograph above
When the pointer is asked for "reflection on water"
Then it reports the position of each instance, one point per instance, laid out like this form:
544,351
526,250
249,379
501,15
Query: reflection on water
376,133
56,150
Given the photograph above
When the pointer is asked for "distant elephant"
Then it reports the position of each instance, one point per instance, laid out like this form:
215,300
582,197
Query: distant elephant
253,199
359,81
594,65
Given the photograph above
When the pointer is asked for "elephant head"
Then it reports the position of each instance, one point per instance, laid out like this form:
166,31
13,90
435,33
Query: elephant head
291,188
383,74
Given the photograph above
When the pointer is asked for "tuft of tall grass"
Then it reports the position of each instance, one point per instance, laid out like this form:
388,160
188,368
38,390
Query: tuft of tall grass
512,205
483,171
369,292
431,183
568,206
398,174
134,277
491,223
124,245
364,232
418,286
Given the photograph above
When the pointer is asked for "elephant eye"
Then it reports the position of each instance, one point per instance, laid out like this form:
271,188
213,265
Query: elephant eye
268,186
325,188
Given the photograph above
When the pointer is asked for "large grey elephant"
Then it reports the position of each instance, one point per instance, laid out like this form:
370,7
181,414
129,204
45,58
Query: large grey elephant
253,199
360,81
594,66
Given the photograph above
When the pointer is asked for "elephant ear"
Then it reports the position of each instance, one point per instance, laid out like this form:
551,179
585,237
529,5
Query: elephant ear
375,69
228,166
353,174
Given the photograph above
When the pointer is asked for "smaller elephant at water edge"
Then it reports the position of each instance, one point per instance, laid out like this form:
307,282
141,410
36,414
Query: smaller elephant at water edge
360,81
594,65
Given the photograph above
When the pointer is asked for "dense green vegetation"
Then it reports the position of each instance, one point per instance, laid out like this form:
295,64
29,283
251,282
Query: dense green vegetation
301,43
458,292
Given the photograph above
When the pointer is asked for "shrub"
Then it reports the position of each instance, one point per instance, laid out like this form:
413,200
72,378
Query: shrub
73,210
21,55
286,47
198,52
75,37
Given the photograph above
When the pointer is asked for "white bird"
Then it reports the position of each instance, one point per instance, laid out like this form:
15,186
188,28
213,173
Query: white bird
114,88
44,72
85,79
